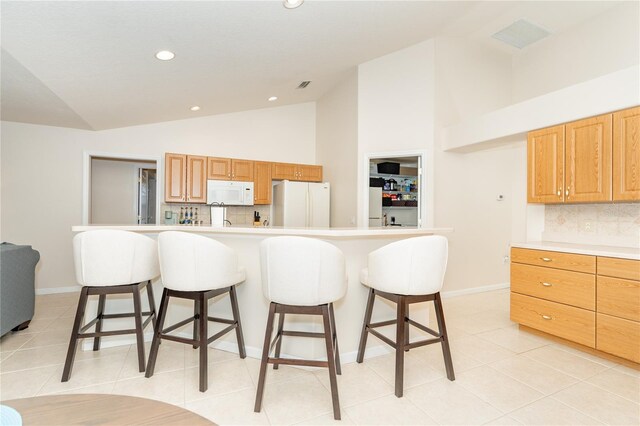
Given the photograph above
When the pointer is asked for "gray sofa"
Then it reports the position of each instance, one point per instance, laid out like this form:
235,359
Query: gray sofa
17,286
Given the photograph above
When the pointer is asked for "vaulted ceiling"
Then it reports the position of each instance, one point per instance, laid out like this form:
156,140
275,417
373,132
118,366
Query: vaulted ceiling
91,64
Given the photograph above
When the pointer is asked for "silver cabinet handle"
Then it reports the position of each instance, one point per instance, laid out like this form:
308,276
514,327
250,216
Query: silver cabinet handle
546,317
546,284
545,259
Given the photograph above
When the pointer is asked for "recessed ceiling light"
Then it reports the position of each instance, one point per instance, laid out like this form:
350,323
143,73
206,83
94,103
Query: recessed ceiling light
521,33
273,98
292,4
165,55
195,108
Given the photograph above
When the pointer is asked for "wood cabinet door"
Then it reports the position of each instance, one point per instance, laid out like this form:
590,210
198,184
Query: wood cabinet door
282,171
175,173
588,160
309,173
262,182
626,155
196,179
242,170
545,165
218,168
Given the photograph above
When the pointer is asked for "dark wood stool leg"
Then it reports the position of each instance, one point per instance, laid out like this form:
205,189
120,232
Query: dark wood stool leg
157,335
71,352
446,350
204,346
279,333
367,320
137,311
96,340
400,336
334,338
236,317
152,305
406,327
265,357
328,338
196,319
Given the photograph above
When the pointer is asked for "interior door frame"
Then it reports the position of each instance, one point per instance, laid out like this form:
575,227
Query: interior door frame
86,177
425,186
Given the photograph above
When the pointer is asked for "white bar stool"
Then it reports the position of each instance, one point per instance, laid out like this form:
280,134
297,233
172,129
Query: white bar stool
301,276
197,268
112,262
406,272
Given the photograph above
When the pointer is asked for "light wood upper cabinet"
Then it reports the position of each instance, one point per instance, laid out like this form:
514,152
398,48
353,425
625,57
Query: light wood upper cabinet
588,159
218,168
196,179
299,172
626,155
242,170
185,178
262,182
545,165
175,178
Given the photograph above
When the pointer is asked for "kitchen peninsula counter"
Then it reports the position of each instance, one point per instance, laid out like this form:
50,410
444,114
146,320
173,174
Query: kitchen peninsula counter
355,243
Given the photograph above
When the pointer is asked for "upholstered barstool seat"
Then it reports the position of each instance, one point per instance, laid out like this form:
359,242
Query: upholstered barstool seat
112,262
405,272
197,268
301,276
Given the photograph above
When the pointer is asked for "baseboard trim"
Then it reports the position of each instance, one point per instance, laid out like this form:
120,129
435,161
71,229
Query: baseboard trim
454,293
57,290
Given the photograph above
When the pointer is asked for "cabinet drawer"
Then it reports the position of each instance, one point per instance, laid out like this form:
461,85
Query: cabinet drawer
575,324
619,337
618,297
620,268
555,259
568,287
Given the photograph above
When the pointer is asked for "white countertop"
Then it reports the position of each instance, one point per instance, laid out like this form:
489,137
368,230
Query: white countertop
593,250
275,230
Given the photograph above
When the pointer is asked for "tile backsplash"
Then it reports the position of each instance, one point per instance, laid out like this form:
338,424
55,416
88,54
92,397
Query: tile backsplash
237,215
604,224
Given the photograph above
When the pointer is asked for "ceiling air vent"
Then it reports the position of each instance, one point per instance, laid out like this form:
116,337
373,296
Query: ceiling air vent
303,84
521,34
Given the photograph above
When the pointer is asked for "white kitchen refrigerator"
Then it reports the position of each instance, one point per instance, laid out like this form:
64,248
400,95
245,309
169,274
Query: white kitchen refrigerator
375,207
301,204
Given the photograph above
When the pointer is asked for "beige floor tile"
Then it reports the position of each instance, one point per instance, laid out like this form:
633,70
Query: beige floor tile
358,383
617,382
224,377
13,341
192,356
566,362
532,373
586,355
48,338
435,359
498,389
86,373
106,388
34,358
479,349
503,421
327,419
600,404
231,409
37,326
481,322
170,358
449,403
549,411
42,311
416,369
388,410
166,387
24,384
62,323
627,370
283,373
58,299
296,400
515,340
5,355
91,354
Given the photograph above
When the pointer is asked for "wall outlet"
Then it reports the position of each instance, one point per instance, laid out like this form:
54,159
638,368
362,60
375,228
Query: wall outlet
505,259
587,226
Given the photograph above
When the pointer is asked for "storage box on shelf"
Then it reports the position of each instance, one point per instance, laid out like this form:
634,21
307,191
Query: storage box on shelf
590,300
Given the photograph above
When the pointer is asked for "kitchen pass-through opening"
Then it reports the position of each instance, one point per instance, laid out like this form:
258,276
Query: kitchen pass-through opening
395,191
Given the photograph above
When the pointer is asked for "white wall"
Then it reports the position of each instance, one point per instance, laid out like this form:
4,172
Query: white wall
42,168
337,147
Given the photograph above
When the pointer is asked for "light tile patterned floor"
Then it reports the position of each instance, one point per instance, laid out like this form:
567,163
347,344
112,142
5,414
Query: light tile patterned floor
504,376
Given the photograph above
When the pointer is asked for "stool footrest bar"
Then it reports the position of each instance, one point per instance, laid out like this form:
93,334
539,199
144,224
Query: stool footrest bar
221,333
302,362
381,337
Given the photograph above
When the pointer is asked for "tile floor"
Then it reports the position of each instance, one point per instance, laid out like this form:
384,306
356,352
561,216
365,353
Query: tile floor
504,376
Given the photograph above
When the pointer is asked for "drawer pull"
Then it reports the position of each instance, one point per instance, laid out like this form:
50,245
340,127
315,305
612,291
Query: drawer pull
547,317
546,259
546,284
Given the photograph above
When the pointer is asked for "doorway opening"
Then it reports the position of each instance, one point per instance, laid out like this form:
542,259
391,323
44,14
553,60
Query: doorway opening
122,191
395,191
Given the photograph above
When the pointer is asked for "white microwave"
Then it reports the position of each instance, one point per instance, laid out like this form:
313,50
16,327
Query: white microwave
230,193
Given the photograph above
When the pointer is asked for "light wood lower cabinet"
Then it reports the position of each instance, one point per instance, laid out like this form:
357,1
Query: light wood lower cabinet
619,297
619,337
555,259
